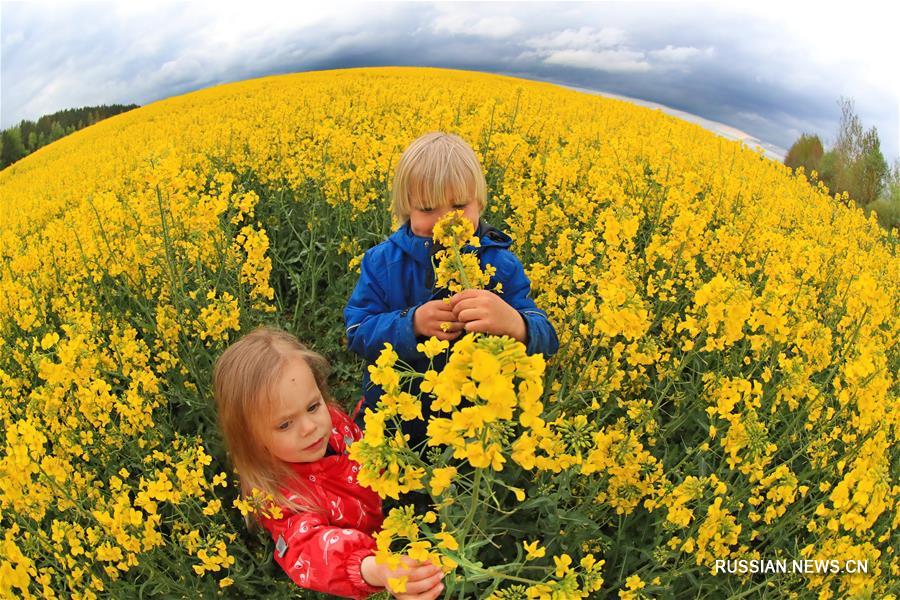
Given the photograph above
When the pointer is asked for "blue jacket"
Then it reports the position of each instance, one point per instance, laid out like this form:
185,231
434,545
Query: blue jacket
397,276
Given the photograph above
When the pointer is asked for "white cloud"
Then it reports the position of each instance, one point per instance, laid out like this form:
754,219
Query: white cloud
587,48
751,116
462,24
606,50
861,38
612,61
681,53
585,38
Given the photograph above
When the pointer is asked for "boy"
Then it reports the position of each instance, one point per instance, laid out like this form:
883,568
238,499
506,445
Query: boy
395,299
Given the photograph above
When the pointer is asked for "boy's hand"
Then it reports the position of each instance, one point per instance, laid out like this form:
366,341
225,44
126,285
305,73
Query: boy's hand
486,312
428,318
423,579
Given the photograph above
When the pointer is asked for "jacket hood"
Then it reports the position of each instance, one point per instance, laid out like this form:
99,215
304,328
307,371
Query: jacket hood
422,248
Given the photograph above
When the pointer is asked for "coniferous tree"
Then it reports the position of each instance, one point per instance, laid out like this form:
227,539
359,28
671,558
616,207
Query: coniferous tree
13,148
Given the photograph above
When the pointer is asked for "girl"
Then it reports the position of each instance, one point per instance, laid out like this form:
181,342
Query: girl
288,439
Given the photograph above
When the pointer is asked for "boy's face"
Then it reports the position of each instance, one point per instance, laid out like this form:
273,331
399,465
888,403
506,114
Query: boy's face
422,220
298,428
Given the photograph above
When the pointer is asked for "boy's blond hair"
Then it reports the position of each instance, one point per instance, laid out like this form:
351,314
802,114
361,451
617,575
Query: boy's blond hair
434,170
244,381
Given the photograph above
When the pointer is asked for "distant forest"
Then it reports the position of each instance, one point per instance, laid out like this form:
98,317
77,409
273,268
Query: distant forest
21,140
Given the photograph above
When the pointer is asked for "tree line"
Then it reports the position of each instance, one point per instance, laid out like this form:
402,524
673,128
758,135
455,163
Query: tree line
853,165
21,140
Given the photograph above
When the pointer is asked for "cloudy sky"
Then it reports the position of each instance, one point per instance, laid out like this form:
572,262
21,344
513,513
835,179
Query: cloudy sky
758,70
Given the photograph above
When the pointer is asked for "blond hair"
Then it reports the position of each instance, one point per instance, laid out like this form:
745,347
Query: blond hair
434,170
244,379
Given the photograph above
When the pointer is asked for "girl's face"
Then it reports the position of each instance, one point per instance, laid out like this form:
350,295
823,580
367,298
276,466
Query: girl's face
422,220
299,424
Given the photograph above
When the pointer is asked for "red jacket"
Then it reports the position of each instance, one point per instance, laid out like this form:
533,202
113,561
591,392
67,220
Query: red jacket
323,551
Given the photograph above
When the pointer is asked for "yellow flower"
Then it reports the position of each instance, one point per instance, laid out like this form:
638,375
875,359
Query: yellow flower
485,365
433,346
49,340
454,269
213,507
562,564
454,230
428,381
385,376
419,551
447,540
634,582
386,557
477,455
448,564
397,584
534,550
442,431
387,357
441,478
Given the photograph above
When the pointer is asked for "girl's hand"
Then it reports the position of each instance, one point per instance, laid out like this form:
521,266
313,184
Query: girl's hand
486,312
423,580
428,318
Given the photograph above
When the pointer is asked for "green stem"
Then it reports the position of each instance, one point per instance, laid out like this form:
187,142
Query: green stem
490,572
459,266
495,575
476,488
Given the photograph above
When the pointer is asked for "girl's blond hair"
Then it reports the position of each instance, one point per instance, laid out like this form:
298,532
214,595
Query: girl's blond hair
244,380
435,169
